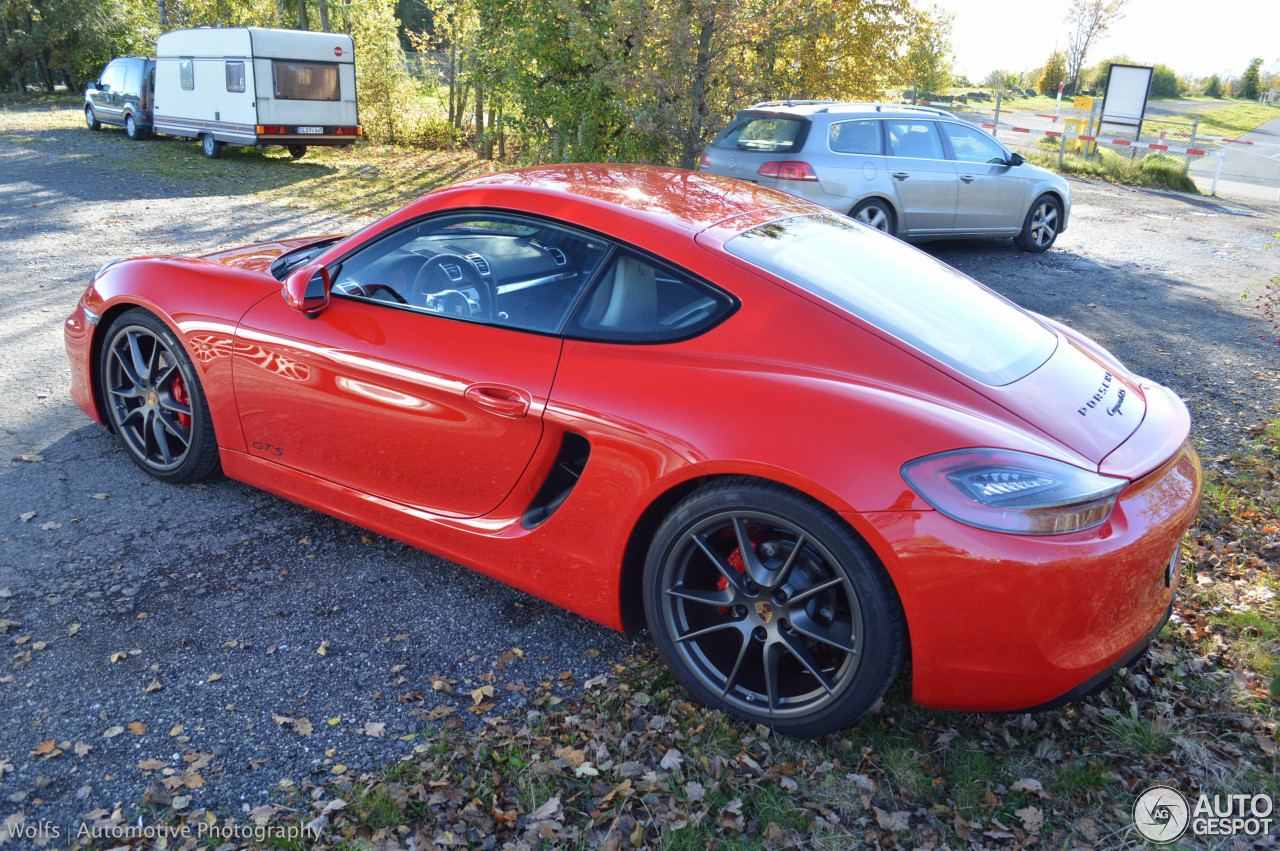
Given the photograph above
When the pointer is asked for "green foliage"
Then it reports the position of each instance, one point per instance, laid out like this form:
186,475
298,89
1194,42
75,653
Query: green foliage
1213,88
927,64
1164,82
1251,81
68,41
1055,72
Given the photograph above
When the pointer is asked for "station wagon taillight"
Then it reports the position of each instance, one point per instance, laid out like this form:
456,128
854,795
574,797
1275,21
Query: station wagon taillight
787,170
704,161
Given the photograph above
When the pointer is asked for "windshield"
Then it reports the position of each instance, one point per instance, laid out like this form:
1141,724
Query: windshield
902,291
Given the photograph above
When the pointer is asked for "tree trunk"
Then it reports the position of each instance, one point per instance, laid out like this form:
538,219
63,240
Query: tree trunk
502,137
453,80
302,15
324,15
480,121
280,14
164,15
46,75
691,144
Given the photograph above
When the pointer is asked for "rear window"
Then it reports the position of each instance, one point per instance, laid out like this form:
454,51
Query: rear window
902,291
772,134
306,80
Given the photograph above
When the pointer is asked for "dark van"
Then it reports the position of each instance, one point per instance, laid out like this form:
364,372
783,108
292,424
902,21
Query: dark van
123,95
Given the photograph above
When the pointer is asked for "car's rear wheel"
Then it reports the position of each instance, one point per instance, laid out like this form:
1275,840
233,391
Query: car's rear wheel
154,401
212,147
876,214
131,128
297,151
91,118
1041,226
766,605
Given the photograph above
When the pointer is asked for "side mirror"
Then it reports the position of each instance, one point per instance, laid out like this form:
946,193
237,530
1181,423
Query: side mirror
307,290
1016,158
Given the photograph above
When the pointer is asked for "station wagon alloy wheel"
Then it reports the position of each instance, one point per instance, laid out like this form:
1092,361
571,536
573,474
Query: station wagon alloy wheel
1042,224
759,615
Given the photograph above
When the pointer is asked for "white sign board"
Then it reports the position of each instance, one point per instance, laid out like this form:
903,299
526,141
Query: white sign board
1125,102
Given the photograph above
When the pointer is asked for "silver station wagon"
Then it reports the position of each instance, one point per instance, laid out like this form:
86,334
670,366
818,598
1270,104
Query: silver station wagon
915,172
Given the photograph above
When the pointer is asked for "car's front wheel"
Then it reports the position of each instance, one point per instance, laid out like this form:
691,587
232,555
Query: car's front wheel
91,118
765,604
212,147
1041,226
154,400
876,214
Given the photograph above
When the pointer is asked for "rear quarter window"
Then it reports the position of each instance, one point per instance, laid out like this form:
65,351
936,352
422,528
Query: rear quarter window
775,134
902,291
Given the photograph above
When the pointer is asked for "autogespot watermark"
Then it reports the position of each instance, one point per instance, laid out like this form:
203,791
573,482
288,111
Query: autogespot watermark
1162,815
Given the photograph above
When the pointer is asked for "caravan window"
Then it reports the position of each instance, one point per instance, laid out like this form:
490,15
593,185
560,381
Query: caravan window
306,80
235,76
187,74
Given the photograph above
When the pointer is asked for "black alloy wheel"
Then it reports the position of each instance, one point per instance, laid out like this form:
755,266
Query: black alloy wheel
154,400
766,605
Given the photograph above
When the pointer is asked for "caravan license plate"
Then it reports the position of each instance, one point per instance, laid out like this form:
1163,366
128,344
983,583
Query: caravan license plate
310,129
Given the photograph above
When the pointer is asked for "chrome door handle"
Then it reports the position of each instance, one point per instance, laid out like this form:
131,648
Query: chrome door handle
900,175
968,178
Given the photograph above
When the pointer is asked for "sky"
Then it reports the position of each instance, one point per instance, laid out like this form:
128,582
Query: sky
1197,38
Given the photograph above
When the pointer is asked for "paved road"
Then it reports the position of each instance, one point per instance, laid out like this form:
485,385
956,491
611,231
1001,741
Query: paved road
1247,172
222,595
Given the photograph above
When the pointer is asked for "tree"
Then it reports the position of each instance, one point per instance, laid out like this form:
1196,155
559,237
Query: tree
1213,88
1251,81
1089,20
1164,82
999,80
1055,71
927,64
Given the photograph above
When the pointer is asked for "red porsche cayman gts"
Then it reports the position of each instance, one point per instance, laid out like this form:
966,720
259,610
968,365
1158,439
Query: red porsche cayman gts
796,449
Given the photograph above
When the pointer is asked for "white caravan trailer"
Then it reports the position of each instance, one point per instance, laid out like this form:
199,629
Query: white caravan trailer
251,86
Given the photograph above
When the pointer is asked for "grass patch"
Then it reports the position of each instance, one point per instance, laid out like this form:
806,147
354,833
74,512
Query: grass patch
1156,170
1239,117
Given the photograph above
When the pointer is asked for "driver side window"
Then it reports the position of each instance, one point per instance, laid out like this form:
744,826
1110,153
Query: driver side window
494,268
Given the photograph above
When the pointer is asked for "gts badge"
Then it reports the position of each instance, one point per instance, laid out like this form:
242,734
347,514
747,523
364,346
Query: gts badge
268,448
1103,389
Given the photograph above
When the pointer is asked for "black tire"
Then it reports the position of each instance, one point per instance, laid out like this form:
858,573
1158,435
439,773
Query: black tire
212,147
803,634
131,128
91,118
296,151
1041,226
153,400
877,214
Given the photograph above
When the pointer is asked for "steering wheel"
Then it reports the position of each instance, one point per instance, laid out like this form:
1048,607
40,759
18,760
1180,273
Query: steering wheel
432,278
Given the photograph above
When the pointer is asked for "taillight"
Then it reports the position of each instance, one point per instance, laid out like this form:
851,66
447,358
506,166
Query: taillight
1016,492
787,170
704,161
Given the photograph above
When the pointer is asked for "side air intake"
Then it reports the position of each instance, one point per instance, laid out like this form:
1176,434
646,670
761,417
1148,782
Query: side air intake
564,475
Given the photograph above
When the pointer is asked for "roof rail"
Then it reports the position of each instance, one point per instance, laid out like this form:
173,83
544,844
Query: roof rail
912,106
788,103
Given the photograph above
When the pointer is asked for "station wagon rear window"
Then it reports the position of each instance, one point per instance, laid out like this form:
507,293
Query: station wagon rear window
306,80
772,134
902,291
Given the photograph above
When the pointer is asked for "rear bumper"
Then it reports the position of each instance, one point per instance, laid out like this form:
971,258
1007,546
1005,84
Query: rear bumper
1003,622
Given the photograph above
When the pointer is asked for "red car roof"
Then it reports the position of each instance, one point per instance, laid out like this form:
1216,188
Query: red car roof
683,200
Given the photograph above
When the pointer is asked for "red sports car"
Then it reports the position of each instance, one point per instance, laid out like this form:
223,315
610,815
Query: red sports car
796,449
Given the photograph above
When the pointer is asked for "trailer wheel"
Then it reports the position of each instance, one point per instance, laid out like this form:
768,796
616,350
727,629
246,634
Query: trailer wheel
212,147
297,151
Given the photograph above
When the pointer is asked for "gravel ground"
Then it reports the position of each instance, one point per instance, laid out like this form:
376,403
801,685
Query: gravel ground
222,595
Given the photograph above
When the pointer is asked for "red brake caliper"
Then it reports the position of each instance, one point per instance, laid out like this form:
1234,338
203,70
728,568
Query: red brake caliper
736,562
182,397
